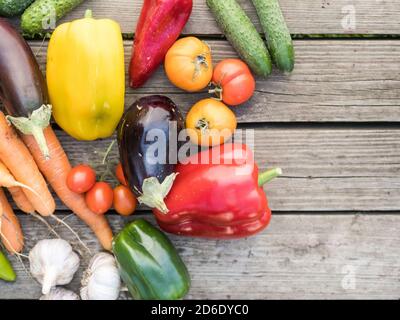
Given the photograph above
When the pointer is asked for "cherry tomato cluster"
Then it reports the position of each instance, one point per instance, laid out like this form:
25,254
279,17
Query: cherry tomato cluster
100,197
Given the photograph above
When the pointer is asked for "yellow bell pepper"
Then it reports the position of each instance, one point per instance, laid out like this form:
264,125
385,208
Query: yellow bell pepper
86,77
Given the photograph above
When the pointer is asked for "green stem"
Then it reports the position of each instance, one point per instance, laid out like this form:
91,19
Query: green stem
88,14
38,134
38,121
108,151
268,175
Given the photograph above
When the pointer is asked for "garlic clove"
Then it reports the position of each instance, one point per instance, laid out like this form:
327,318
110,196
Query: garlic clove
60,294
101,281
53,262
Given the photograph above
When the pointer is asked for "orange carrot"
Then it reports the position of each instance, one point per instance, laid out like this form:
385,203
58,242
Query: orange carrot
14,187
8,181
21,200
56,169
16,157
11,232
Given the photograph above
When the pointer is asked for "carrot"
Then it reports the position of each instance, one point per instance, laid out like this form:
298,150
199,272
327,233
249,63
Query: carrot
19,197
21,200
15,189
10,229
16,157
56,169
8,181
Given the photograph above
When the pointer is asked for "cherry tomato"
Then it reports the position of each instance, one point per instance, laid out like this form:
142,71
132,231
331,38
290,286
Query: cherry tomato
210,122
100,198
234,82
81,178
124,201
120,174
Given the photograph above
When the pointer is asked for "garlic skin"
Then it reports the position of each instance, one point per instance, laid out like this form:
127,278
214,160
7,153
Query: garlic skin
52,262
60,294
101,281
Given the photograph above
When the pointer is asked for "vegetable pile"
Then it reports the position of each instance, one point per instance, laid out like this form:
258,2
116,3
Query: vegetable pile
215,193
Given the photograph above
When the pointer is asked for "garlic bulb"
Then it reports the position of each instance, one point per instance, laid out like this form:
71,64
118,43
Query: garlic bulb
101,280
60,294
52,262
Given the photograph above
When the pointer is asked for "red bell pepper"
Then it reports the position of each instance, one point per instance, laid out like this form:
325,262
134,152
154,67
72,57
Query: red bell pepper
220,199
160,24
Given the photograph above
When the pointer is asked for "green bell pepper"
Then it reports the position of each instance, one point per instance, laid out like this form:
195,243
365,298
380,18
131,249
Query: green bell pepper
149,263
6,271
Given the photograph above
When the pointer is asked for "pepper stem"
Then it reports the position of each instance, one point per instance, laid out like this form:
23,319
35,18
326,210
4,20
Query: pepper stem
268,176
34,125
88,14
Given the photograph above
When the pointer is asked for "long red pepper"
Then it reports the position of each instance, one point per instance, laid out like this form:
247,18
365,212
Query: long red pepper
160,24
220,200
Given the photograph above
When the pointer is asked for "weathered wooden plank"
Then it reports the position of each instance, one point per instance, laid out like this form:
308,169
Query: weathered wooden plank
344,81
324,168
297,257
303,17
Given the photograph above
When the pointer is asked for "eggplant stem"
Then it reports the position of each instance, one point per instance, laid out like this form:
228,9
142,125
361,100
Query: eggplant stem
34,125
41,141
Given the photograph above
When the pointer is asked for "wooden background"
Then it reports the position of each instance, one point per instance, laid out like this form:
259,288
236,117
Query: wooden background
332,125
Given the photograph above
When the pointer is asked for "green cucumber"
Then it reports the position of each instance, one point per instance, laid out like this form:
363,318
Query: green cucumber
11,8
279,41
242,34
38,17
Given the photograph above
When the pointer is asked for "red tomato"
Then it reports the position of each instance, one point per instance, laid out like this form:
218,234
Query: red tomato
124,201
100,198
81,178
120,174
234,82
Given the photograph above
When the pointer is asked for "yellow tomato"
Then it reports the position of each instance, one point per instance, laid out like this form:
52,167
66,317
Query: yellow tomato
210,122
188,64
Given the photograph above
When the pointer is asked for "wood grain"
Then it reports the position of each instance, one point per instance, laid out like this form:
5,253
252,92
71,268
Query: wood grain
333,81
303,17
325,169
297,257
312,251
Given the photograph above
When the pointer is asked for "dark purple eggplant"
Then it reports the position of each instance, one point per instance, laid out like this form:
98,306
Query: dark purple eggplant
23,89
148,162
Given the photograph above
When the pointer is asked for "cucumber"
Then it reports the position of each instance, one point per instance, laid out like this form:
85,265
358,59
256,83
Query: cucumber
279,42
11,8
37,18
242,34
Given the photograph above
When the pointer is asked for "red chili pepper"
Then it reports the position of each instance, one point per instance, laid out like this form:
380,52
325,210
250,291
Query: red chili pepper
160,24
221,199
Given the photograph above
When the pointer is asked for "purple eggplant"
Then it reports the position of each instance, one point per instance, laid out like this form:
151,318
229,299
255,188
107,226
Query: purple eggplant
23,89
148,144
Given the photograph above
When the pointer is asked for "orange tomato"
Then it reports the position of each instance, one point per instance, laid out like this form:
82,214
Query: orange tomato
210,122
188,64
234,82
